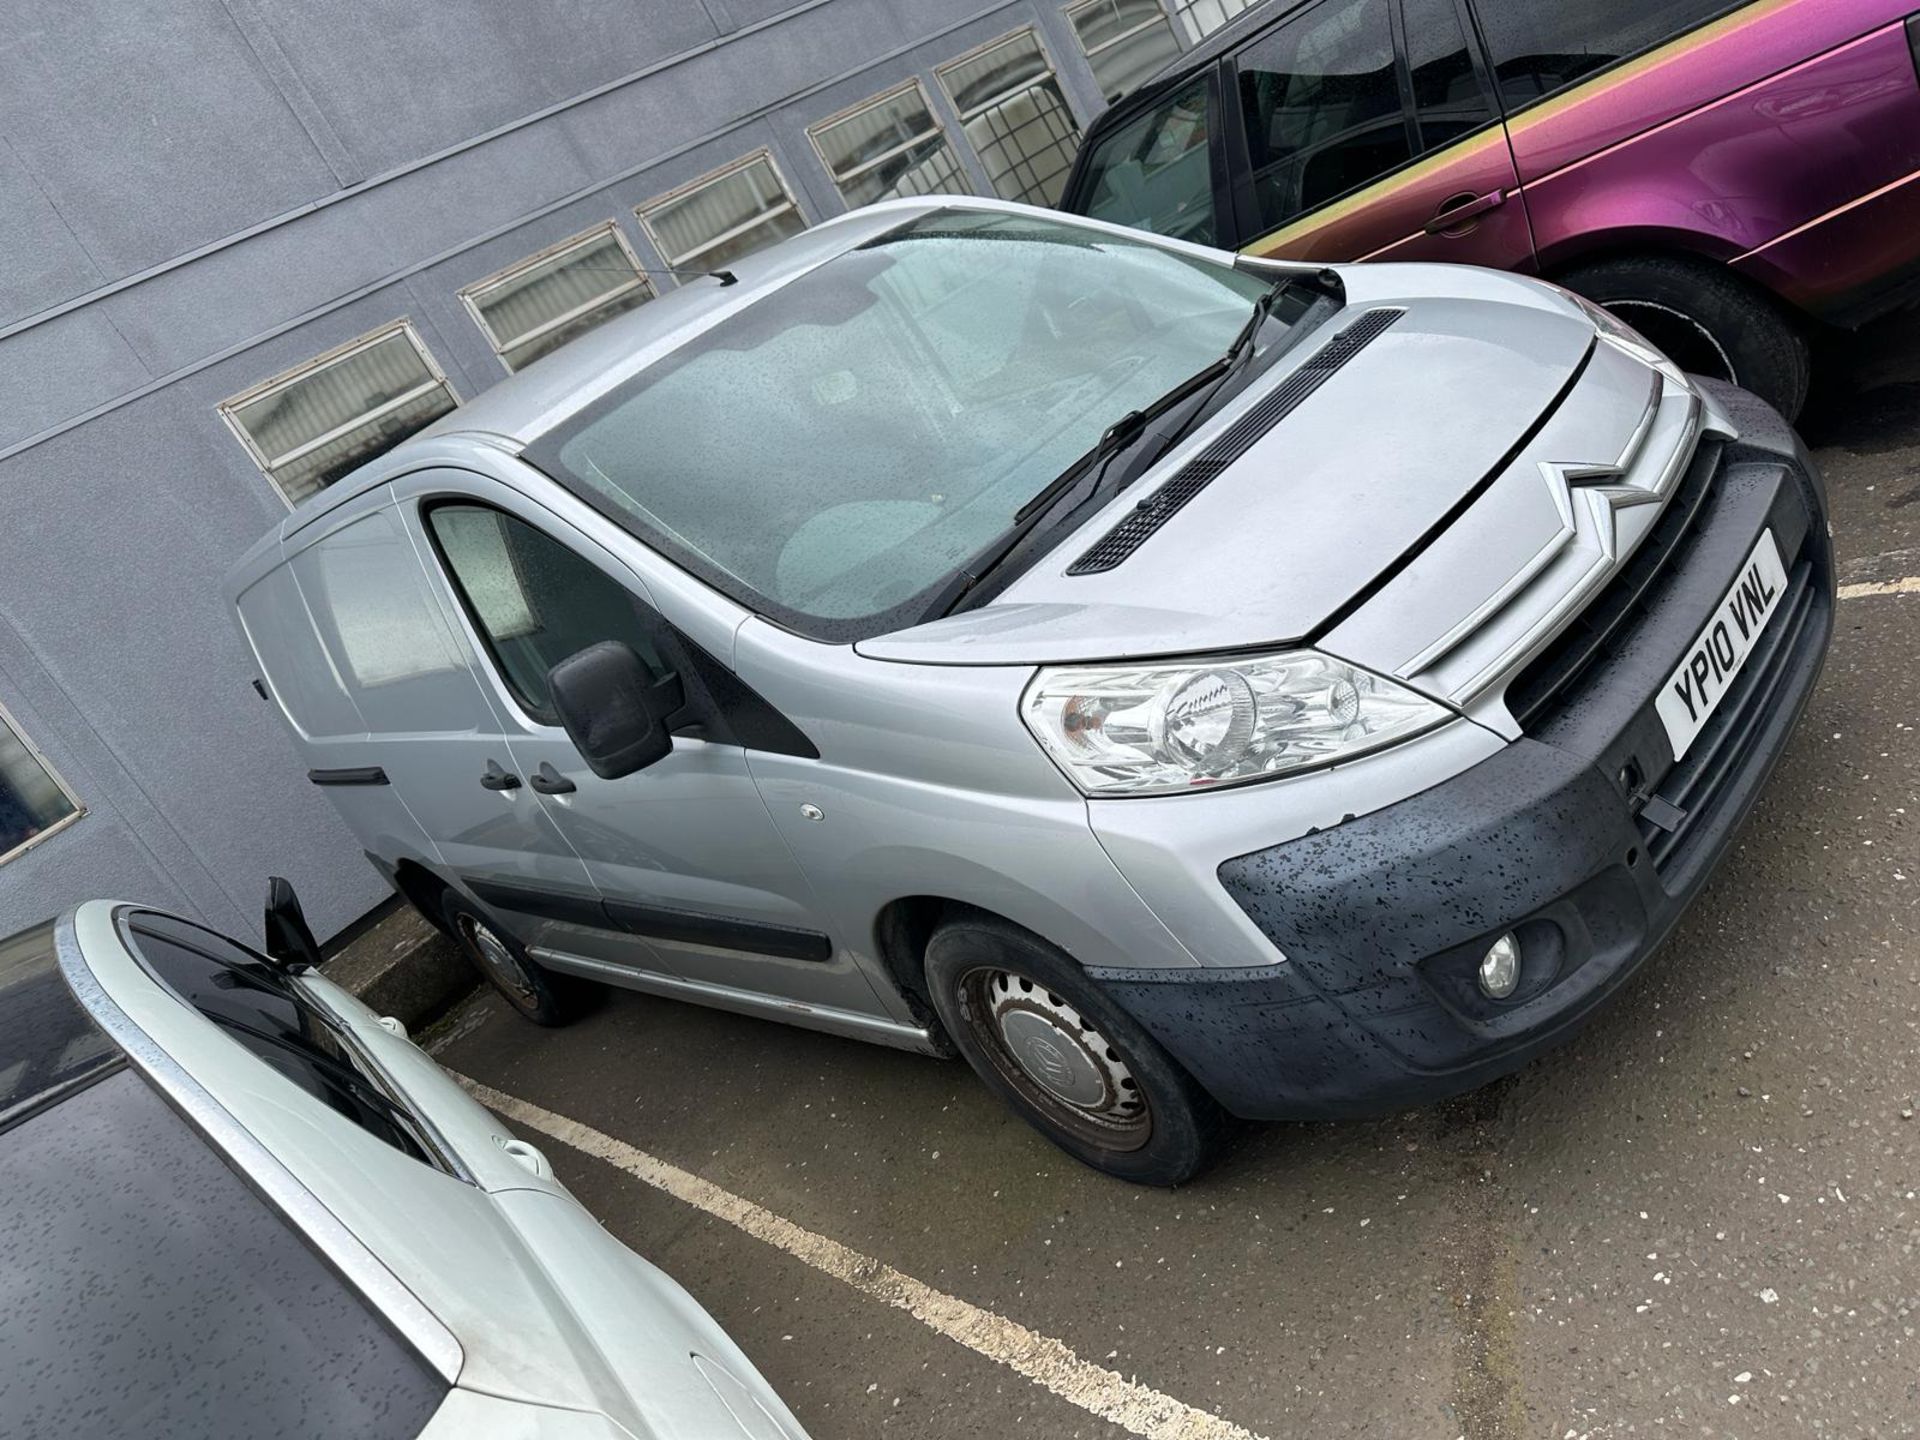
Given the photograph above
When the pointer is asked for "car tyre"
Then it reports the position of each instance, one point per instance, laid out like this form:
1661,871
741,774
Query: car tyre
1065,1058
1707,319
544,997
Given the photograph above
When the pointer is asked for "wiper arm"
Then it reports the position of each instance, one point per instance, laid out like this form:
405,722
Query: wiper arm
1241,350
1118,437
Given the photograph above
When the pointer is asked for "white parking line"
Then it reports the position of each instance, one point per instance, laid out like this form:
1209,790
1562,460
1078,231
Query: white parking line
1907,585
1047,1362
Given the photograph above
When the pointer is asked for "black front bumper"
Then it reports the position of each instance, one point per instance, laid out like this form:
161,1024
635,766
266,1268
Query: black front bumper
1383,919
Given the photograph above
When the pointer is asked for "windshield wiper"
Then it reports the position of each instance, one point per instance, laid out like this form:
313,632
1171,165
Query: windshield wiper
1114,441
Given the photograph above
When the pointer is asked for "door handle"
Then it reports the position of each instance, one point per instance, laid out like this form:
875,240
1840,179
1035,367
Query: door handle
549,781
498,779
1456,210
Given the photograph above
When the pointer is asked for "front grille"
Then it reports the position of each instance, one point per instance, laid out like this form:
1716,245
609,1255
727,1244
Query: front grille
1550,680
1720,751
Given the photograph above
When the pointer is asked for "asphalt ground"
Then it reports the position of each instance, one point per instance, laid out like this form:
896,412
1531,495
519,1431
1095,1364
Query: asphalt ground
1699,1217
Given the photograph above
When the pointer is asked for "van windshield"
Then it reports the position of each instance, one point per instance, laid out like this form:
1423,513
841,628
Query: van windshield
832,454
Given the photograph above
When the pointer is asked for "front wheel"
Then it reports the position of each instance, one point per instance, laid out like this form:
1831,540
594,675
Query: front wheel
1065,1058
1706,319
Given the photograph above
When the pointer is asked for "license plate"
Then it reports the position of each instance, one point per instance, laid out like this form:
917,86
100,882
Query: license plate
1694,691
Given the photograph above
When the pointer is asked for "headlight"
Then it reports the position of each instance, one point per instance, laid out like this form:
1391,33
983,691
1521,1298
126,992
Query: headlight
1156,729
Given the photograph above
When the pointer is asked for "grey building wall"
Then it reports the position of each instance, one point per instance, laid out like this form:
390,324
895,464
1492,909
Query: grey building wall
198,194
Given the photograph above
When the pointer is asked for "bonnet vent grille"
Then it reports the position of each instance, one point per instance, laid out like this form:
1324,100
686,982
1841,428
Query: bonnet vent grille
1156,509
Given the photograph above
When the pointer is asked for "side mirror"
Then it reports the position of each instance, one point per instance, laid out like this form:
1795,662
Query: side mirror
290,939
613,709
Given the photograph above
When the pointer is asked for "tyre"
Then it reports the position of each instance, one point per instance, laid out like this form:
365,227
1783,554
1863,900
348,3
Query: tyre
536,992
1065,1058
1705,318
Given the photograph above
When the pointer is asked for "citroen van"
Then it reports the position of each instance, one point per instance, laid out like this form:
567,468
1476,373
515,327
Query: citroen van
1187,686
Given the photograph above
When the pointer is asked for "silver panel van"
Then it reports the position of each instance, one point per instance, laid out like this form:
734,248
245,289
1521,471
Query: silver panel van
1189,687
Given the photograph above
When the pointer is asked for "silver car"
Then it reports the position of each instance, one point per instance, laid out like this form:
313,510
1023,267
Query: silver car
1189,687
235,1203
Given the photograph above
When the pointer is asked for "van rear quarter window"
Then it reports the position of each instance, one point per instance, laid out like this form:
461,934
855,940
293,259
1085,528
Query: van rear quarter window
178,1305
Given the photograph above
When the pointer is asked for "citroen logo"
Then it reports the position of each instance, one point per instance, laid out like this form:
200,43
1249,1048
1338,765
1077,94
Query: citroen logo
1598,488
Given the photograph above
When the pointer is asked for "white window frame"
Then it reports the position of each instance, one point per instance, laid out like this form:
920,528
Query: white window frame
926,100
38,756
1039,43
1193,31
273,384
1052,73
473,294
690,261
1163,18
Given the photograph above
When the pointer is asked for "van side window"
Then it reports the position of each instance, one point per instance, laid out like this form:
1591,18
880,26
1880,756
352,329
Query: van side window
1447,99
1537,49
1155,172
1321,99
534,601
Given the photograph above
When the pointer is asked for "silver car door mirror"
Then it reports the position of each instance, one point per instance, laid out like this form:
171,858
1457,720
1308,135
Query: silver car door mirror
613,708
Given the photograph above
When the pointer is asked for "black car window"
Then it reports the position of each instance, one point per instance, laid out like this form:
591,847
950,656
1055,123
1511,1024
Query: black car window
268,1016
1448,101
48,1044
1155,171
1321,100
146,1290
535,601
1538,48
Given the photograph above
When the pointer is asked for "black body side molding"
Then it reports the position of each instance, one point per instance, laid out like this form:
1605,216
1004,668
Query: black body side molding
723,932
657,922
559,905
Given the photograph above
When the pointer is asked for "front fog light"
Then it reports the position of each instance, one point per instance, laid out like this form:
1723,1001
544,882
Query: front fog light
1500,968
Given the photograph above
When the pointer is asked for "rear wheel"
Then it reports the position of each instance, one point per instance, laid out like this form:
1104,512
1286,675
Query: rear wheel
1065,1058
1706,319
536,992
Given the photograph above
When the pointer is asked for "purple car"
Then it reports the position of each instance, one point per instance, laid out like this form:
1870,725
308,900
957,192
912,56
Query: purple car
1728,177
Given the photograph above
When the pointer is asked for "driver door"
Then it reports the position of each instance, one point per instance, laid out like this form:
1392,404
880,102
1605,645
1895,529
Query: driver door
684,853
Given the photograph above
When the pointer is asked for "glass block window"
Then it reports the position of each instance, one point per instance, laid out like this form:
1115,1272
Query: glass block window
1200,18
311,425
34,802
536,306
888,146
724,215
1125,41
1012,110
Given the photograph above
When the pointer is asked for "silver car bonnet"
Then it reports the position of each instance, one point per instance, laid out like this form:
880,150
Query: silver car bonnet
1367,470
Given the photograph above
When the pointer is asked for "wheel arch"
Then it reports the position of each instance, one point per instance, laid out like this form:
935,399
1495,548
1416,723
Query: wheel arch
1583,247
1575,252
417,884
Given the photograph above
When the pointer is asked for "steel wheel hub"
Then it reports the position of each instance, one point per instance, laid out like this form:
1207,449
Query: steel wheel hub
1065,1062
499,961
